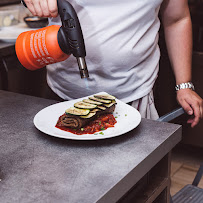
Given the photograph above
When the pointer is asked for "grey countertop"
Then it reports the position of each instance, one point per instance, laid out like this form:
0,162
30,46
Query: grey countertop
35,167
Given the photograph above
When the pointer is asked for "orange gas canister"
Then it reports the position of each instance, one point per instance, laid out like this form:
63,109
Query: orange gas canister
38,48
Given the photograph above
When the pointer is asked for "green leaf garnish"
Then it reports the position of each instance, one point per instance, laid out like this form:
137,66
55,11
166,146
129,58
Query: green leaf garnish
101,133
102,128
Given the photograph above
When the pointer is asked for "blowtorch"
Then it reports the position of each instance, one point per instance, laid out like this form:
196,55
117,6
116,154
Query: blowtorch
38,48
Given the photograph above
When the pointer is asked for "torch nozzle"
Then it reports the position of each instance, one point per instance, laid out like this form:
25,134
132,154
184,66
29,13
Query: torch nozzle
82,67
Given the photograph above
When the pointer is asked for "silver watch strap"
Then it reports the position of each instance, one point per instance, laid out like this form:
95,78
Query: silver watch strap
185,86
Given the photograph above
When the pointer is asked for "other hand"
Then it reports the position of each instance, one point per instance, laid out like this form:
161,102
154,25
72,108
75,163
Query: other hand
42,8
192,103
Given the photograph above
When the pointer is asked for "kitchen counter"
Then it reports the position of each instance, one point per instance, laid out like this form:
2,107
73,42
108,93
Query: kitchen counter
35,167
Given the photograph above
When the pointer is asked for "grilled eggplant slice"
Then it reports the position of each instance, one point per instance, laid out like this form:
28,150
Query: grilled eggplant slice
109,105
95,110
105,96
104,101
77,112
91,101
84,105
101,107
90,115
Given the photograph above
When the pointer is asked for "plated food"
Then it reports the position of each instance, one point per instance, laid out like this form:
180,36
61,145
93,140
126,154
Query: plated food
127,118
89,115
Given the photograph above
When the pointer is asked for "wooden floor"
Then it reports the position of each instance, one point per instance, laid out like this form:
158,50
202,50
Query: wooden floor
185,163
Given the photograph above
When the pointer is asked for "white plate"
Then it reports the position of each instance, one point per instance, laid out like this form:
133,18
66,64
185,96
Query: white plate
127,119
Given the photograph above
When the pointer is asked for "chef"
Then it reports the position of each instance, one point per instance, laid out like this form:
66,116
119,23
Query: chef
121,39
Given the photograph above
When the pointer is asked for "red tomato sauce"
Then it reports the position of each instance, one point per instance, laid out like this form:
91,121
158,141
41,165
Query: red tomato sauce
100,123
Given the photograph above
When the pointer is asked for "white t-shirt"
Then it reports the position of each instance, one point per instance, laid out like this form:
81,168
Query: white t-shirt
122,53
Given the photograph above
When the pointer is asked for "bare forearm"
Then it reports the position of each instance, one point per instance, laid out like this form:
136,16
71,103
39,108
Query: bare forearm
178,37
178,34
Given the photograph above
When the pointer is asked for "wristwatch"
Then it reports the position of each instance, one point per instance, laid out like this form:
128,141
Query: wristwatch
184,86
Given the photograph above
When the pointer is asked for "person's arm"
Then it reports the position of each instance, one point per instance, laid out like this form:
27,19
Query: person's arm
178,35
42,8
